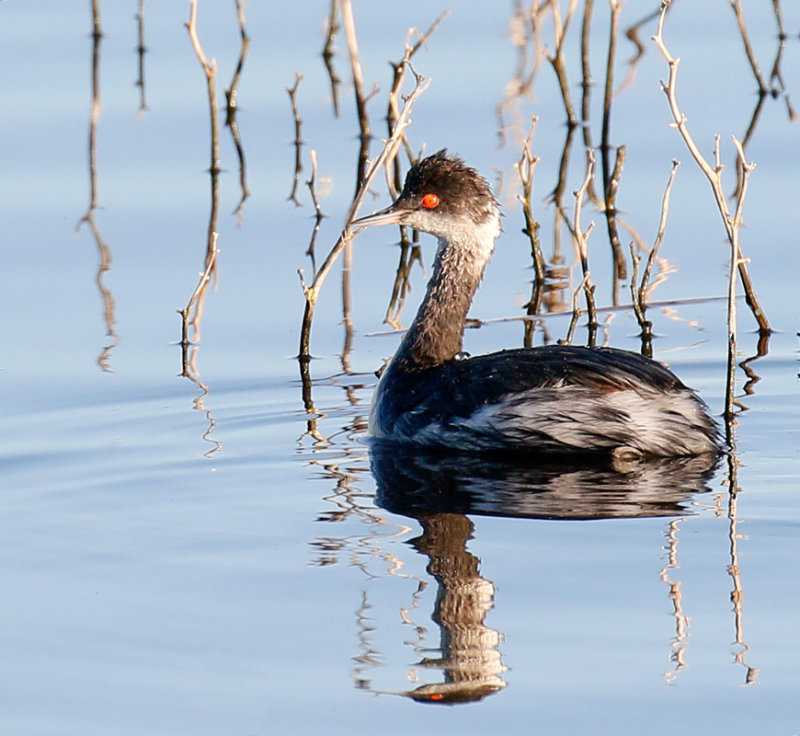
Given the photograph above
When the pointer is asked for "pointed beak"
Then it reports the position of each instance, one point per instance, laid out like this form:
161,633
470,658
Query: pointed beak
392,215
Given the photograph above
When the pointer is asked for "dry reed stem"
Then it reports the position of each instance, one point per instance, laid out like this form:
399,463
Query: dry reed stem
231,108
524,34
632,34
557,59
611,179
525,167
198,292
714,176
365,136
311,292
141,50
103,251
409,253
586,86
582,241
210,70
318,214
298,139
94,116
644,292
641,292
394,179
191,26
775,88
576,310
401,288
328,54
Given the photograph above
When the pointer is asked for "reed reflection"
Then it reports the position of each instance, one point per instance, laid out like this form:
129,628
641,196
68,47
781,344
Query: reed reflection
141,50
104,252
191,314
441,490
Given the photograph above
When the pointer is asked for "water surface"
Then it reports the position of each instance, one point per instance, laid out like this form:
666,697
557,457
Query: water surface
219,553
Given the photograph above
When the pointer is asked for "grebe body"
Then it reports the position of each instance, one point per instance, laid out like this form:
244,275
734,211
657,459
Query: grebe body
555,399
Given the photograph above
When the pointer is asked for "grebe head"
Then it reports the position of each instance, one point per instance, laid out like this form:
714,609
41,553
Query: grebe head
444,197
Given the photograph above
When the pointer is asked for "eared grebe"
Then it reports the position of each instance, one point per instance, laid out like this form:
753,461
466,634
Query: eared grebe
556,398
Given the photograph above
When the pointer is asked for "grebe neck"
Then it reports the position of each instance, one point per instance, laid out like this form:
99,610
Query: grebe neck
436,334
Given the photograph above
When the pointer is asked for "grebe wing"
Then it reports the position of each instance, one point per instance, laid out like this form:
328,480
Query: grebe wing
498,375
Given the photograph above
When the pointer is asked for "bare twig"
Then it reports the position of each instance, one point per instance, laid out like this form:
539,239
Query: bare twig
610,210
103,251
97,37
365,136
775,88
410,253
298,140
714,176
576,311
632,34
557,59
232,98
319,216
582,241
390,149
640,291
586,85
525,167
611,180
210,70
141,50
328,54
199,290
393,107
662,225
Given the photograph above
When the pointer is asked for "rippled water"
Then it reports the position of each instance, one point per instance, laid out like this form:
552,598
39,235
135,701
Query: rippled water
221,553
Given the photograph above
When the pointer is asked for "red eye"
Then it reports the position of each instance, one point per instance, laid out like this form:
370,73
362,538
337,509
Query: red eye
430,201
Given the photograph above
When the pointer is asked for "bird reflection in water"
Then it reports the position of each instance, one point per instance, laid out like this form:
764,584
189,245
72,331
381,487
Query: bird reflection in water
411,482
441,490
470,658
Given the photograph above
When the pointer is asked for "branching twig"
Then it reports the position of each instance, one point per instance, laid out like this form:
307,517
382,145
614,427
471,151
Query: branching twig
525,167
640,291
582,240
311,291
298,139
576,310
714,176
393,106
198,292
319,216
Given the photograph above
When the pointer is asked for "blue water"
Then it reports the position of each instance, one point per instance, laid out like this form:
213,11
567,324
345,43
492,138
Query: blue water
218,555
